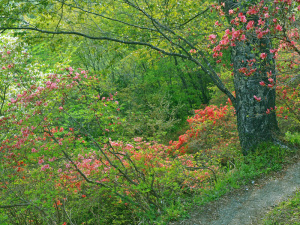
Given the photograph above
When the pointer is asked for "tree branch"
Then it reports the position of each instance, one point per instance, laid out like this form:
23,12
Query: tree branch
97,38
194,17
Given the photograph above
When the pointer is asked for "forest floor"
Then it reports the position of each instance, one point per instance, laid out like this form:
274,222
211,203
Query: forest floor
249,204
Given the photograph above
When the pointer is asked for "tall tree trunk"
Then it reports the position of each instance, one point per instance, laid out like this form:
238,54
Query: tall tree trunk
256,119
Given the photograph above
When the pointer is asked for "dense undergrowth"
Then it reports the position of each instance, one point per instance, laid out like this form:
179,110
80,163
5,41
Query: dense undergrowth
65,162
72,153
69,166
160,183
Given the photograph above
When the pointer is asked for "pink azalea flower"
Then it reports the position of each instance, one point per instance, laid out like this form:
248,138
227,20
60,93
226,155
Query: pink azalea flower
243,19
262,83
41,161
235,34
53,85
256,98
193,51
45,167
51,159
261,22
250,25
212,36
263,55
278,27
138,139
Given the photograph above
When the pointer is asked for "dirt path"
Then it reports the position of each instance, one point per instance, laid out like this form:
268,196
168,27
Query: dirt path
249,205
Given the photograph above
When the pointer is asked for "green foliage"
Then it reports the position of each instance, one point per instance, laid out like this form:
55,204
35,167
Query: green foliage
293,138
51,134
155,124
52,55
143,74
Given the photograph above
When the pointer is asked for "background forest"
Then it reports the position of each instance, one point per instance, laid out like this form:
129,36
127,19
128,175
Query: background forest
108,118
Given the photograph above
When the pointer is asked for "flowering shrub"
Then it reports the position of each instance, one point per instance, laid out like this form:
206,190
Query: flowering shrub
58,151
287,85
209,127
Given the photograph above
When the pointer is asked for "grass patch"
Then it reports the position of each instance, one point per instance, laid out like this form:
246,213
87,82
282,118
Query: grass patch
293,138
287,212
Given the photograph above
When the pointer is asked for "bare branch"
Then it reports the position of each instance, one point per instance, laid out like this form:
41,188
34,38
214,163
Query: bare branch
97,38
194,17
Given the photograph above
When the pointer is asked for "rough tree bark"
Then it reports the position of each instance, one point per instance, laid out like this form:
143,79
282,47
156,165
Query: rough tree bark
256,120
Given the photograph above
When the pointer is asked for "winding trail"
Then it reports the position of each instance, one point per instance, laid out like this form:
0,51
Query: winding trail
249,205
